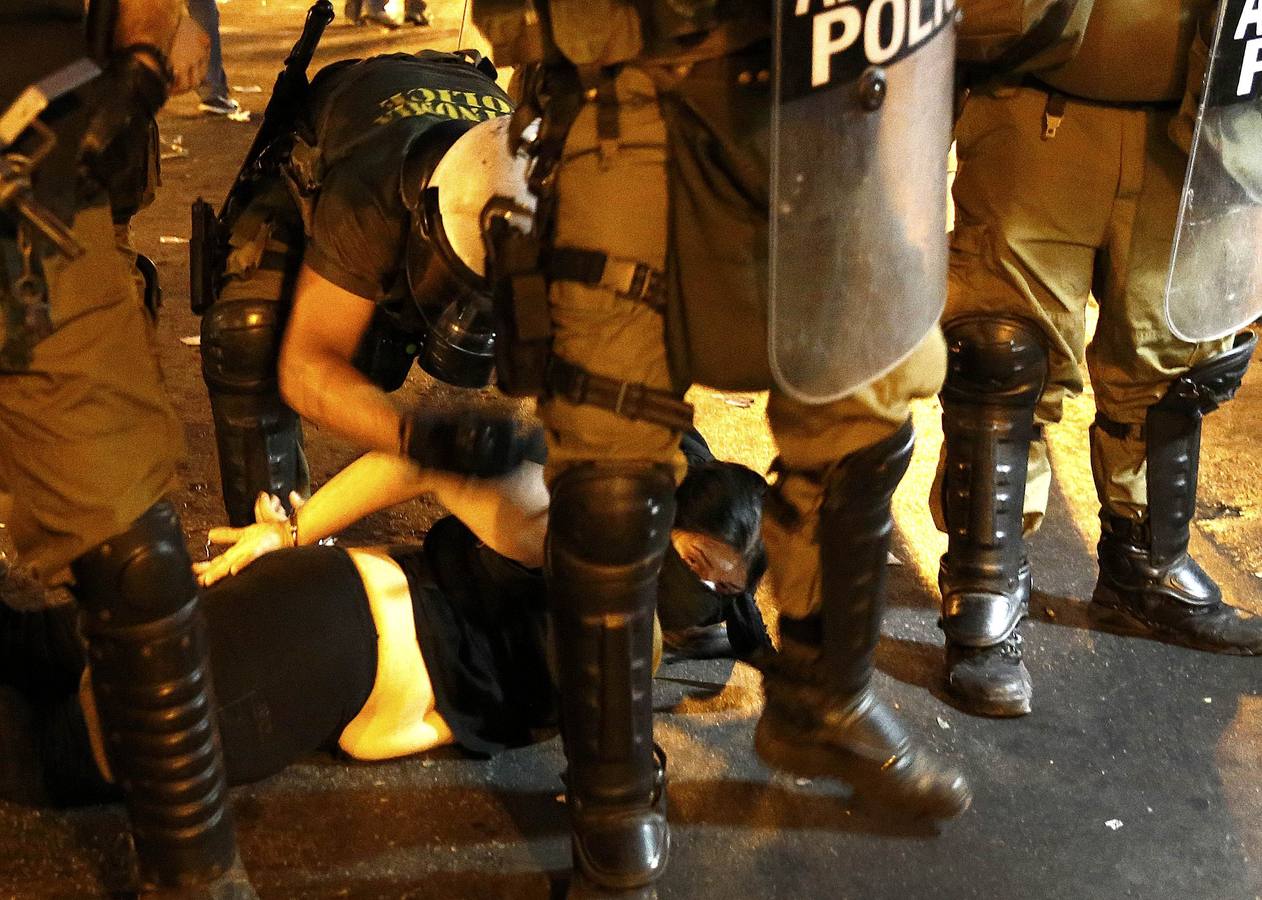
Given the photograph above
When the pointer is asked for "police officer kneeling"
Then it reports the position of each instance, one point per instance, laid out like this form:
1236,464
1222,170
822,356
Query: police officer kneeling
352,248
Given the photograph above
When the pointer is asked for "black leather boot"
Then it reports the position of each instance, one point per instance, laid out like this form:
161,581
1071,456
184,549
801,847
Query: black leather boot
609,528
1146,572
996,371
822,717
147,652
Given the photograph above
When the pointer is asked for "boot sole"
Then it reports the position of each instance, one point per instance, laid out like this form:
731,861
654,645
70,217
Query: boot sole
583,888
1111,611
991,709
232,885
805,761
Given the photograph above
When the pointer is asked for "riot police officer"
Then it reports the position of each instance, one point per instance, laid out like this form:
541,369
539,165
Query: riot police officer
89,442
352,248
1069,184
645,271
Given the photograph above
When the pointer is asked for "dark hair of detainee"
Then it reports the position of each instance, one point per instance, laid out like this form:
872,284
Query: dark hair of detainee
724,500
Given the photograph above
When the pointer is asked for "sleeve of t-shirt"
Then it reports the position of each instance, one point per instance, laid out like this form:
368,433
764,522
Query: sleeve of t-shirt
359,228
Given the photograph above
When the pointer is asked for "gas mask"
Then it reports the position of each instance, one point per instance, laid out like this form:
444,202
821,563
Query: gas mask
446,255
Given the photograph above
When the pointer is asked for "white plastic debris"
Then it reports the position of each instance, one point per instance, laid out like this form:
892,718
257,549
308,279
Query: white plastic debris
246,89
174,148
1113,824
1209,699
172,239
944,724
892,560
801,782
193,340
239,115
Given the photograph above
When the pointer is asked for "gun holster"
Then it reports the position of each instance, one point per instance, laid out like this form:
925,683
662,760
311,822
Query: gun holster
153,284
519,290
205,257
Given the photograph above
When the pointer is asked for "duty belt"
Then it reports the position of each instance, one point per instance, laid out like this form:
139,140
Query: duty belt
628,399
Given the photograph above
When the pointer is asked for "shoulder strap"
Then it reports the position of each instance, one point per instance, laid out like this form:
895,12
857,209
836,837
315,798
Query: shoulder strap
1033,42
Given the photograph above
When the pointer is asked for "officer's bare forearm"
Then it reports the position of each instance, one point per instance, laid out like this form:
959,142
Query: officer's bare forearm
316,375
330,392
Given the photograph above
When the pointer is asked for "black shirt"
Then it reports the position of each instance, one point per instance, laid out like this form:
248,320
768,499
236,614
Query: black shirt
366,116
482,623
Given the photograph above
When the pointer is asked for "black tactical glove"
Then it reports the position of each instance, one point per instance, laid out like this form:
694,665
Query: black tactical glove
466,442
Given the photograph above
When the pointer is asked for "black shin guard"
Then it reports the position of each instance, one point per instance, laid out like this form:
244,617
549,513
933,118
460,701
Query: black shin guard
258,437
1173,427
822,717
609,528
152,688
996,371
1146,571
855,526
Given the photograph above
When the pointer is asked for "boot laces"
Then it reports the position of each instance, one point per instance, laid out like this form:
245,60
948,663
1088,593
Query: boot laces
1011,647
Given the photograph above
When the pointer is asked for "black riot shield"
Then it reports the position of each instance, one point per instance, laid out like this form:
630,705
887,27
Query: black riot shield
1215,283
861,127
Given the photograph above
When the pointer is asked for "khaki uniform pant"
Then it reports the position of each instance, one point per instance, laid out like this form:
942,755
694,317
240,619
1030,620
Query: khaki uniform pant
612,196
88,439
1041,224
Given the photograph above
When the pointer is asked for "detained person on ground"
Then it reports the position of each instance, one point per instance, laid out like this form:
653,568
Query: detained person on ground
381,652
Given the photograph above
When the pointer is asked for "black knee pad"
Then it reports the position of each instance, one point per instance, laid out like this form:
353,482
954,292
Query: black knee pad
611,517
241,346
994,360
140,575
1204,388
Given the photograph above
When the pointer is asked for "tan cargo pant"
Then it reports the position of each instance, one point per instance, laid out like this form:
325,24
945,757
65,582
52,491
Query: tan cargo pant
612,196
88,439
1042,224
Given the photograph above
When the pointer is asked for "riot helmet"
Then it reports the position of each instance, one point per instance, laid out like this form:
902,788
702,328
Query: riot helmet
454,180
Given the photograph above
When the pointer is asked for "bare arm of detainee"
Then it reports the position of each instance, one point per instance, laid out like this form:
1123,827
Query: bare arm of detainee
508,514
316,375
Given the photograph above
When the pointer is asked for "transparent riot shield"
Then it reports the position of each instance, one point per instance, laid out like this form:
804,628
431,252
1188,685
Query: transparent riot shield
1215,282
861,127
